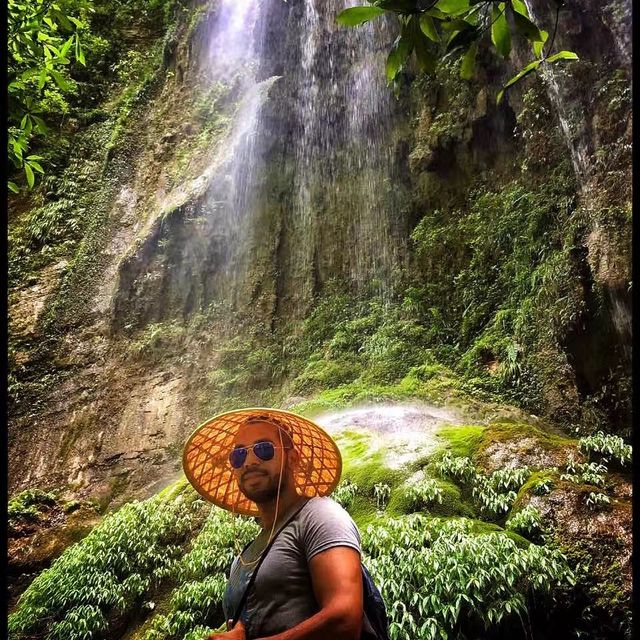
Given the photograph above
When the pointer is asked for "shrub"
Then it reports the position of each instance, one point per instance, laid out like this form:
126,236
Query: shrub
105,572
527,522
608,447
345,493
597,500
381,493
424,492
440,580
27,504
588,473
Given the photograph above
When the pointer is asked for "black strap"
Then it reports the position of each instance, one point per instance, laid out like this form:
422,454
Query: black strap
255,571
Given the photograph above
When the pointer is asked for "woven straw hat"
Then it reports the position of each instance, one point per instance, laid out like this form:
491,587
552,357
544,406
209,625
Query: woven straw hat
206,457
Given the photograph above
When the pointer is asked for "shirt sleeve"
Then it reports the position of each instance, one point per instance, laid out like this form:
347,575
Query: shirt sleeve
326,524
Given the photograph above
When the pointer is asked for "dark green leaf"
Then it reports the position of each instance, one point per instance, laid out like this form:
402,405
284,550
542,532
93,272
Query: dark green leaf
428,27
30,177
453,7
462,39
537,46
41,127
532,66
563,55
500,35
424,56
468,64
398,6
397,56
358,15
524,26
59,80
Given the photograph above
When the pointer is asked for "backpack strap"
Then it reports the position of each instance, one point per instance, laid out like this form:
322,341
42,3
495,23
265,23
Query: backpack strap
255,571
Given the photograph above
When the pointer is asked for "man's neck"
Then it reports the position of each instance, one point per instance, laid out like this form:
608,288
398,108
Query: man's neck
268,509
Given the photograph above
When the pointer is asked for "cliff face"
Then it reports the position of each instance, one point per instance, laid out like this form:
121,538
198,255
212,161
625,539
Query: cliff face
218,213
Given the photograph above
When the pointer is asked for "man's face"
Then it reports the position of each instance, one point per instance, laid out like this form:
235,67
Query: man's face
257,478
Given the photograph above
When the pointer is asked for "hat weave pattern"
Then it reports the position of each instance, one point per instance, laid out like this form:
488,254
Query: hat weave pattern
206,457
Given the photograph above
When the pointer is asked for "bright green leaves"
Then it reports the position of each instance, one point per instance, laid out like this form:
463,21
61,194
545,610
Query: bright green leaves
522,22
562,55
434,31
428,27
358,15
532,66
469,62
41,39
453,7
398,55
500,35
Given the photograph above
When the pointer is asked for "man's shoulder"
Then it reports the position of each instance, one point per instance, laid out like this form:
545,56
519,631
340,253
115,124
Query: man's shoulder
325,507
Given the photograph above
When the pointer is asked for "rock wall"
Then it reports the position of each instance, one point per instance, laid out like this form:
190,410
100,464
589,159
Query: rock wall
114,352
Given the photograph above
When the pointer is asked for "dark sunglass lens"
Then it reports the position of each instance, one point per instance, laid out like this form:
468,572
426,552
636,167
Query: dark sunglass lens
264,450
237,457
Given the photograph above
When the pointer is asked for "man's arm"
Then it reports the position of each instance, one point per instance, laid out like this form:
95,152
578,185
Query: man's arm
337,585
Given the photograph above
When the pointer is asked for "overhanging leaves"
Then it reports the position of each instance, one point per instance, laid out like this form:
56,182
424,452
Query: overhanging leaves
358,15
500,35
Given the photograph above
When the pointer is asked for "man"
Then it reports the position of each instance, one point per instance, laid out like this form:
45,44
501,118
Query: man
309,585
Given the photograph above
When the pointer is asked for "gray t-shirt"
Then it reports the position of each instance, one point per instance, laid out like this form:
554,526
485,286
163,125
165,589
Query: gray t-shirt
282,595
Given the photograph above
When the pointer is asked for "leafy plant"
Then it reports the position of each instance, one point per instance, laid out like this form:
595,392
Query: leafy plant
439,579
107,571
528,522
344,493
608,447
27,504
588,472
43,37
542,487
381,493
424,492
440,29
597,500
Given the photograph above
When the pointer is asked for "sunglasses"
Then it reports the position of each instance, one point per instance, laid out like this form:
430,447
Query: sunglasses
263,450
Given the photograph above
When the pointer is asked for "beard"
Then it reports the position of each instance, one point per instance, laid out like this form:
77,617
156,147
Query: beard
266,490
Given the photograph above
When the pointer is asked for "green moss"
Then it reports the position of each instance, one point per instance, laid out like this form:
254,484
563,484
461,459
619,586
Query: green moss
463,440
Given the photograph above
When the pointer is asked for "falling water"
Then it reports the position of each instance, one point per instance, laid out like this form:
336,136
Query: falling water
341,208
344,153
571,116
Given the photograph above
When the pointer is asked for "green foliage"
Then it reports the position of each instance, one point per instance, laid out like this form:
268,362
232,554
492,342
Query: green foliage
424,492
585,473
108,571
439,579
597,500
608,447
527,522
344,493
494,494
42,38
156,339
381,493
439,30
27,504
542,486
201,574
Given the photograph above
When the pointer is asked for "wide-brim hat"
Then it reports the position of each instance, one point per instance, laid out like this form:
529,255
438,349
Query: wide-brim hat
206,457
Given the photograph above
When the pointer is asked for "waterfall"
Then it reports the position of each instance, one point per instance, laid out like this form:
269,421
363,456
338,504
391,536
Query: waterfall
341,209
570,116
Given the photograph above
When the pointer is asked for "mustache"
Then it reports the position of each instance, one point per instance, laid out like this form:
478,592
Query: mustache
254,473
